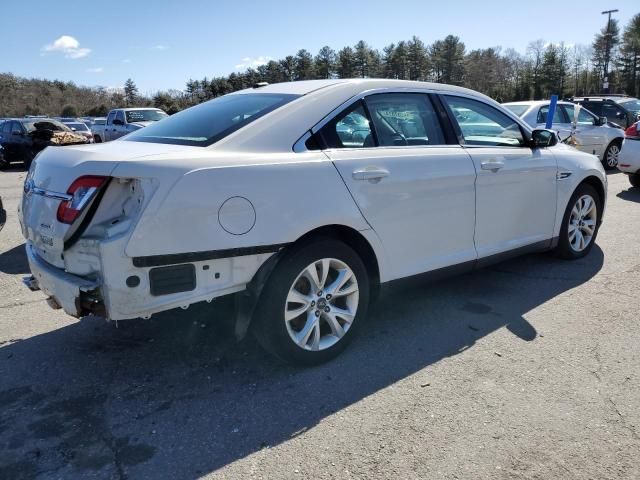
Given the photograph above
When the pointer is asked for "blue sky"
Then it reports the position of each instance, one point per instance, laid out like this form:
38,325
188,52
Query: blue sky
160,44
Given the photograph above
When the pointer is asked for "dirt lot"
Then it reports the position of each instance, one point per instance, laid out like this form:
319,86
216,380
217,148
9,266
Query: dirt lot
529,369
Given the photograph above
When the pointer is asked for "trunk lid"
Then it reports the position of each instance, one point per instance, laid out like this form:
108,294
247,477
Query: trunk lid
50,177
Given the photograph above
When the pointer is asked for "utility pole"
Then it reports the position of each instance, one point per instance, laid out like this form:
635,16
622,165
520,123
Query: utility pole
607,51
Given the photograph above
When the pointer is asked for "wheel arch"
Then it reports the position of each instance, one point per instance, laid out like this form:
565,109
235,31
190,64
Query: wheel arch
247,300
596,183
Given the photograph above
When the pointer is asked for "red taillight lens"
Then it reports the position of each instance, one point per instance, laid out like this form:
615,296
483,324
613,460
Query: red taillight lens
82,191
633,130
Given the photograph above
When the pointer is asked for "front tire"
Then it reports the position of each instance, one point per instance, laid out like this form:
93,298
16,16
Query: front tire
610,157
580,223
634,180
97,139
313,303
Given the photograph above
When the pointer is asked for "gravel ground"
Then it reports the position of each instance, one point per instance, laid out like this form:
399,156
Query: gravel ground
529,369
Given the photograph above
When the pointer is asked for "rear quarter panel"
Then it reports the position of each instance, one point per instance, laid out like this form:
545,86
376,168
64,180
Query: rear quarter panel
290,196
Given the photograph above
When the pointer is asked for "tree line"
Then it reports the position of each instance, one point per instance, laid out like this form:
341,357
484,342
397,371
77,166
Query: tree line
503,74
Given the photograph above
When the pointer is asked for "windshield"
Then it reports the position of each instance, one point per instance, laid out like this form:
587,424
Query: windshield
517,109
53,125
145,115
79,127
632,105
211,121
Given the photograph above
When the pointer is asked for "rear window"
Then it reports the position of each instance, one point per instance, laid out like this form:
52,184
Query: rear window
144,115
209,122
80,127
631,105
517,109
48,124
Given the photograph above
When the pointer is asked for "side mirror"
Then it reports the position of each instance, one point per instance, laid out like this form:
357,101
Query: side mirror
620,114
602,121
541,138
117,121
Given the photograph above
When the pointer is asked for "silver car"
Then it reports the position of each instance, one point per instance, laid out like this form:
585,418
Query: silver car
591,133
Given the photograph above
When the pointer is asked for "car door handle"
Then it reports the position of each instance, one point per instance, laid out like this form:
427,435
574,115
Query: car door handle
493,165
373,174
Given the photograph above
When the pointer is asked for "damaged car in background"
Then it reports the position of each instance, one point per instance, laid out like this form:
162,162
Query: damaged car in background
23,138
268,194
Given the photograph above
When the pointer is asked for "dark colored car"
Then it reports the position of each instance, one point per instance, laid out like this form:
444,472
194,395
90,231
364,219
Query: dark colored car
618,109
23,138
3,212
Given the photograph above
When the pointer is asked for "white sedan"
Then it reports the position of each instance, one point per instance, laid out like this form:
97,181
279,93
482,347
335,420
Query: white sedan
629,162
591,134
268,193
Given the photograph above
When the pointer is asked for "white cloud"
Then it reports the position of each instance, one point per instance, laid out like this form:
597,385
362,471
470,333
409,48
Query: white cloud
95,70
67,45
126,60
249,62
159,47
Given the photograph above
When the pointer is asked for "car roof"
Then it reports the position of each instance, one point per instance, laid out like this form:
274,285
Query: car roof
533,103
305,87
131,109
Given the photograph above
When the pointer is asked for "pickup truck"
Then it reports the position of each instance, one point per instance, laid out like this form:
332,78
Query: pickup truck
122,121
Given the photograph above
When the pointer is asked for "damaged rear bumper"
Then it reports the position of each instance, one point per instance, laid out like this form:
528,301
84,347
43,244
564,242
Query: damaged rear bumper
76,295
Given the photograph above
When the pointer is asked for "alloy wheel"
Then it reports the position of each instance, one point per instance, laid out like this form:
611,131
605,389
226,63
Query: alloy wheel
612,155
582,223
321,304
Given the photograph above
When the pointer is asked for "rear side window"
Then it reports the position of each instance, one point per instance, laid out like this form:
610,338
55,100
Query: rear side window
558,116
482,124
6,127
211,121
120,116
402,119
110,117
349,129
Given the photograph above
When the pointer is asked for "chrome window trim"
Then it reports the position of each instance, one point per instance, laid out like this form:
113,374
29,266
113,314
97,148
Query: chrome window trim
300,147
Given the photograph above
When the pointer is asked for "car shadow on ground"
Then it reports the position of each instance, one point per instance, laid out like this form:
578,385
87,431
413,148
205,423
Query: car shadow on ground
632,194
175,396
14,261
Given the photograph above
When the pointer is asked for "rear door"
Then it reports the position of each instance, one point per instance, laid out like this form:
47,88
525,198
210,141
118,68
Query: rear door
516,185
413,188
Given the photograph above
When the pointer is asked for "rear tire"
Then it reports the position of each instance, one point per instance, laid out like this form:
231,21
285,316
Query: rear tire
634,180
313,304
580,223
97,139
610,157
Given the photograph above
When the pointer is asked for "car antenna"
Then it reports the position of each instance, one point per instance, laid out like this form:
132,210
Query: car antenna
260,84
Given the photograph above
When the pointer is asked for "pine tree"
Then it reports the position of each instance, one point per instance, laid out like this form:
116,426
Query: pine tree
325,63
130,92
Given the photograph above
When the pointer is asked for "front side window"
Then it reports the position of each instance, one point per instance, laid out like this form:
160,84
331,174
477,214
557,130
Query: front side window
482,124
402,119
584,117
120,116
209,122
543,114
110,117
595,107
145,115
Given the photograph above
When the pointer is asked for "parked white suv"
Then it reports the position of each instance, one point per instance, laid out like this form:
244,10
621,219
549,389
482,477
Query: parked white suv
268,192
123,121
592,134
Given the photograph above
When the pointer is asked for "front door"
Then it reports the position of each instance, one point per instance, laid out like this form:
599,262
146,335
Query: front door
516,185
415,190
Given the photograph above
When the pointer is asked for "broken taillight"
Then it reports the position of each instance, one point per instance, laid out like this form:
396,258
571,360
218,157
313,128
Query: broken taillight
82,191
